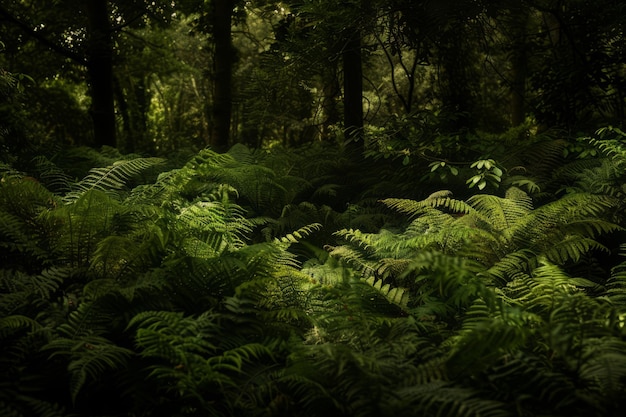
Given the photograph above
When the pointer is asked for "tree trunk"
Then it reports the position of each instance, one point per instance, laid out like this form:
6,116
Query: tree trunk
456,81
519,66
353,91
331,91
223,66
100,72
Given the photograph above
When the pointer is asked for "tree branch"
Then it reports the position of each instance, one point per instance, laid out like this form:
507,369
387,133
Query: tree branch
61,50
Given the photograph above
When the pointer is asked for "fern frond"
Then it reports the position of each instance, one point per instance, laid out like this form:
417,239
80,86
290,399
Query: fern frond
92,317
220,225
17,404
487,338
415,208
21,292
16,239
111,178
52,176
572,248
234,359
604,367
89,358
169,335
535,378
502,213
354,258
616,286
507,267
453,278
395,295
12,324
362,240
301,233
439,398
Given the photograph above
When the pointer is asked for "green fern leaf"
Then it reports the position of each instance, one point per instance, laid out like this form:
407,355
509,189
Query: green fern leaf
12,324
89,358
111,178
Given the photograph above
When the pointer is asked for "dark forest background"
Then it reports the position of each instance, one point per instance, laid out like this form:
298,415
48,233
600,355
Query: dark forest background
312,208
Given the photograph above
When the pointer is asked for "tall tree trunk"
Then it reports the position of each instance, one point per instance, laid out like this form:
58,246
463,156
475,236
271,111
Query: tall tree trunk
519,67
331,90
100,72
457,81
132,104
223,65
353,91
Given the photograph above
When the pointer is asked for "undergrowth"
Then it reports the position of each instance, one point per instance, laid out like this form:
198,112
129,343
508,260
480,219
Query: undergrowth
306,283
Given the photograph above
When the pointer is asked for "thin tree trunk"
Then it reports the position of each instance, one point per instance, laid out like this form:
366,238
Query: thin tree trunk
223,62
519,66
353,91
100,72
330,113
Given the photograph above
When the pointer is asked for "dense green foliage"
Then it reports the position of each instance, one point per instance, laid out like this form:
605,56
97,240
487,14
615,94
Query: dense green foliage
242,284
312,208
456,66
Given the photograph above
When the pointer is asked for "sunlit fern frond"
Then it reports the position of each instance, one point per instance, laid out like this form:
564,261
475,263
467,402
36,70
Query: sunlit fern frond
552,222
304,231
502,213
541,289
245,155
269,269
583,333
364,241
395,295
610,141
220,225
112,178
295,216
354,257
414,208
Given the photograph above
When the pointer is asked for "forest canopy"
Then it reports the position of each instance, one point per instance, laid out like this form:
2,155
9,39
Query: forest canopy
151,77
312,208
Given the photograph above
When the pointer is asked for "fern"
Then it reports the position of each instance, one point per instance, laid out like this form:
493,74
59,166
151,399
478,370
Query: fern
394,295
414,208
54,178
89,358
112,178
